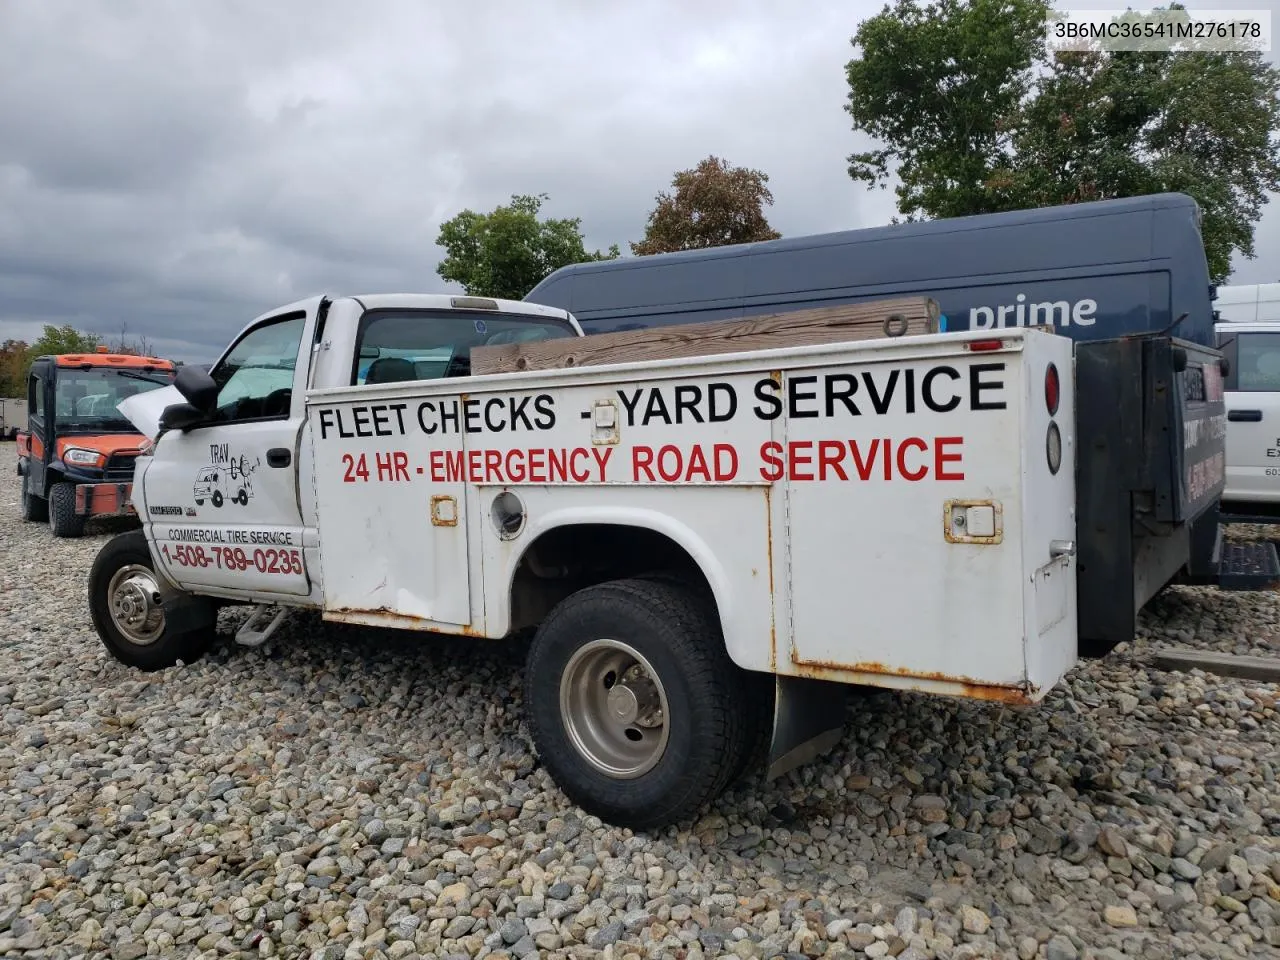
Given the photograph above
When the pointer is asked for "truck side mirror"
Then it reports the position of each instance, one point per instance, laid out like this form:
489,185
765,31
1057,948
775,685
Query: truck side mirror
180,416
197,388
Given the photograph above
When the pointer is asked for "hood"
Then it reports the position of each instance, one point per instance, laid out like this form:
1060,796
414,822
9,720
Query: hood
143,409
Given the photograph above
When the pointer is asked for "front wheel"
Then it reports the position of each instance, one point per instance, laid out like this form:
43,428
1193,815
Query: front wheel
216,499
63,519
126,603
634,705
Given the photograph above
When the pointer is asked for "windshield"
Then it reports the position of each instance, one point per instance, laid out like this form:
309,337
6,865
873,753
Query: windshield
85,400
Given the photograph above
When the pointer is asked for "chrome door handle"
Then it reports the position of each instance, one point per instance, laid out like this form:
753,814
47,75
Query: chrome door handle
1062,548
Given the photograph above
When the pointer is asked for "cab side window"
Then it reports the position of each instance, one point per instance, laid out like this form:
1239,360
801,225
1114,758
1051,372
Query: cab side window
35,400
255,380
1257,362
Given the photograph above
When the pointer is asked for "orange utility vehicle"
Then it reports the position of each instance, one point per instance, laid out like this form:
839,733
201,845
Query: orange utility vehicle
76,454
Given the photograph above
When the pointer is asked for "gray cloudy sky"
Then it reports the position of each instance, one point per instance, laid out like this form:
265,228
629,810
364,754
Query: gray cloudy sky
183,166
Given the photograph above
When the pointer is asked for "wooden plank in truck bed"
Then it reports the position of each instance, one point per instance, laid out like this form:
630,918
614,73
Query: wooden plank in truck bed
901,316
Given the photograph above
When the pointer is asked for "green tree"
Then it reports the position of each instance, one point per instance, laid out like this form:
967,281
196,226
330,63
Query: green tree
64,339
505,253
13,368
16,356
974,116
714,205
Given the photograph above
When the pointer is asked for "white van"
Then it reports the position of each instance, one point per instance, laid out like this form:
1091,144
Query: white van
1247,325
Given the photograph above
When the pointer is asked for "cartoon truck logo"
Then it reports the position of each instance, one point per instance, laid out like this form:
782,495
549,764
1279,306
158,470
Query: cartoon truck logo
219,483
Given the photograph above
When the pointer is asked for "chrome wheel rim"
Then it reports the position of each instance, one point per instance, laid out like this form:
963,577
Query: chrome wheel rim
614,708
133,596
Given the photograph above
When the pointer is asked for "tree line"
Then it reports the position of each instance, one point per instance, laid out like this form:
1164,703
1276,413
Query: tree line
972,114
16,355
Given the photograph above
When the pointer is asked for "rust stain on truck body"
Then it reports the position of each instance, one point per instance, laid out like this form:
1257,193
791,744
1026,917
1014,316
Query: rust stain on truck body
959,685
384,617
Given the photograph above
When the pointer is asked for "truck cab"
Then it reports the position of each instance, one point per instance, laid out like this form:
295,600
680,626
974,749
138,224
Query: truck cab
76,452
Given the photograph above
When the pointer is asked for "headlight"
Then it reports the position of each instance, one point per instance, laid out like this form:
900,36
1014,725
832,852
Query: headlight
83,458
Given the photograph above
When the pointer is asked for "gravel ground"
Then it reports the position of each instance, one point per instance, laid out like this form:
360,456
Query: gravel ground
354,794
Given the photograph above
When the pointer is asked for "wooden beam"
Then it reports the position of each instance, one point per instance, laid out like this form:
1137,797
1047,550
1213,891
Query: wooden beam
903,316
1264,669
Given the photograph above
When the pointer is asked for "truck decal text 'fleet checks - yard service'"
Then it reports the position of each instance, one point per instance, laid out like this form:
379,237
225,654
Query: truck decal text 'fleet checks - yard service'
853,398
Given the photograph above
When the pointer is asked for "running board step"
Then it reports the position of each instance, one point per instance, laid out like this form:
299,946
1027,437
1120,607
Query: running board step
252,633
1248,566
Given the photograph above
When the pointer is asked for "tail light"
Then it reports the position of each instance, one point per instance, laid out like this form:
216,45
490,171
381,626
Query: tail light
1052,390
1053,448
982,346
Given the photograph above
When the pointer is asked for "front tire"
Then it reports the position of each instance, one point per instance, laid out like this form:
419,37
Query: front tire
34,508
124,601
634,705
63,519
216,499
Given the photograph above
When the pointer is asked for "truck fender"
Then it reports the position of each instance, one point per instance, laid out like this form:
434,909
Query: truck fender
678,533
808,715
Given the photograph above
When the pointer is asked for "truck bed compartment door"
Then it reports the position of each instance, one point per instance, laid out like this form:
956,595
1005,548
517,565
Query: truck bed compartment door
904,523
392,512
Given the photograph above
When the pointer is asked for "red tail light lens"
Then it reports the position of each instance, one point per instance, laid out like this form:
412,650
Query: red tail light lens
982,346
1052,389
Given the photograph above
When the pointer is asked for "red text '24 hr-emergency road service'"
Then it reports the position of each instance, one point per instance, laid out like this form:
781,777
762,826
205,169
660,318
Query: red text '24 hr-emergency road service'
667,433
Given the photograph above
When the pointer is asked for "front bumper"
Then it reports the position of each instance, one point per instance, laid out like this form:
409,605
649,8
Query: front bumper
104,499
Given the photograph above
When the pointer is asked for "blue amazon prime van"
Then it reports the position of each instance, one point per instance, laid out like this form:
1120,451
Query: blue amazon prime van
1126,279
1090,270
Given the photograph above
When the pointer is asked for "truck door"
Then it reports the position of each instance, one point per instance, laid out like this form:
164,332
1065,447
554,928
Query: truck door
223,497
41,423
1253,415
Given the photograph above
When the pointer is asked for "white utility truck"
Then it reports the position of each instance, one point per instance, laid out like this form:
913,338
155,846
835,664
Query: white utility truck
709,550
1247,327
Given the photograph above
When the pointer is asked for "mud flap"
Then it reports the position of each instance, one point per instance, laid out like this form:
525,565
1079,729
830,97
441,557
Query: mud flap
808,720
186,612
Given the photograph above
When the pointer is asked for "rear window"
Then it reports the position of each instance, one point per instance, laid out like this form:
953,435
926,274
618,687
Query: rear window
393,346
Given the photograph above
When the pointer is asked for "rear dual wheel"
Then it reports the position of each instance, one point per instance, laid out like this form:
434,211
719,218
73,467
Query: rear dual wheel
635,707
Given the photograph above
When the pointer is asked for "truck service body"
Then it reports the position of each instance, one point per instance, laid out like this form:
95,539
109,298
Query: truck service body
708,552
76,452
1101,273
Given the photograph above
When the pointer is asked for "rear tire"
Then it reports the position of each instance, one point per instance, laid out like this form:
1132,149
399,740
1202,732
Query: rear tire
757,690
122,590
63,519
34,508
590,708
